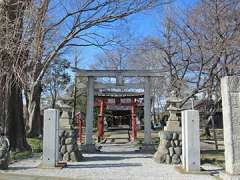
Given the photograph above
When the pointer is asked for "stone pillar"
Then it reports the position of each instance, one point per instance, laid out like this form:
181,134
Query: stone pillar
183,140
89,146
190,141
147,111
90,116
230,89
133,119
50,138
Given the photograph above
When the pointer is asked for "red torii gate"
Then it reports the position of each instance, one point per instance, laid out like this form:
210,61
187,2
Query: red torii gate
101,102
101,121
134,121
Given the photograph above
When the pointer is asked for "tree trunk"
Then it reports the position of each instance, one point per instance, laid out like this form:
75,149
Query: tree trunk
206,131
11,16
26,117
34,128
15,122
214,133
3,103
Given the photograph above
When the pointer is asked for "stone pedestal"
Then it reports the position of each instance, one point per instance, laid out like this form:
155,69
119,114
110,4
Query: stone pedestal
64,122
170,148
190,141
50,138
230,89
68,149
172,126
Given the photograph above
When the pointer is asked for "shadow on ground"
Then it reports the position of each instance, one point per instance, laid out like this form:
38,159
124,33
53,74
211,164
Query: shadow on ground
113,158
104,165
19,168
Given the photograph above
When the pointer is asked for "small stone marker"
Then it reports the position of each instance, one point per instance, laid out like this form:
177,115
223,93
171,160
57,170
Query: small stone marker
50,138
190,141
230,89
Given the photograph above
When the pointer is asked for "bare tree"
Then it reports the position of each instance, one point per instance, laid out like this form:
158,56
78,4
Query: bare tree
75,26
197,48
12,55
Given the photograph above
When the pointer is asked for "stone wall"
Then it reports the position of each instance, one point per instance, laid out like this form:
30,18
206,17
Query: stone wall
68,148
170,148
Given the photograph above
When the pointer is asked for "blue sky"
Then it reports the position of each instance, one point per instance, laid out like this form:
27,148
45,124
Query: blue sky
140,25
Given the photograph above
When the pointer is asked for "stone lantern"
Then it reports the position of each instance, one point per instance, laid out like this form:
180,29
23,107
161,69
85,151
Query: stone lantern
173,124
68,147
65,119
170,148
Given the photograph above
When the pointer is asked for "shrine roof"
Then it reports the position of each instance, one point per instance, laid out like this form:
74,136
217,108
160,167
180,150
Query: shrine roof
119,94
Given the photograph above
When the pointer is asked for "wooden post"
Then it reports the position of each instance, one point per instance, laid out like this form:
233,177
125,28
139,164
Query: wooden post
134,122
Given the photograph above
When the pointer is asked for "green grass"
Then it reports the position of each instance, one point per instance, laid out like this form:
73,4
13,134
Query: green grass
36,144
21,155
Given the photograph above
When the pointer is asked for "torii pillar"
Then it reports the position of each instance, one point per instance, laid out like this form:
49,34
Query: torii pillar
90,147
133,117
101,121
147,116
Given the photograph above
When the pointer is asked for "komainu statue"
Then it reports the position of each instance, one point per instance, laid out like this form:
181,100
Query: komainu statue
4,150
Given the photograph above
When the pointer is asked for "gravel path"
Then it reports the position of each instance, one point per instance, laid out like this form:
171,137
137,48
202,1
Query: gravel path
116,162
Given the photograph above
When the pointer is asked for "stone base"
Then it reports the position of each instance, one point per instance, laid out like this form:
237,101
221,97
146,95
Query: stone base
68,149
88,148
147,148
170,148
173,126
226,176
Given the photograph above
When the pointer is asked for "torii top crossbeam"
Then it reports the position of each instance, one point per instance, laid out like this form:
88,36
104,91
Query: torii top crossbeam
119,75
115,73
